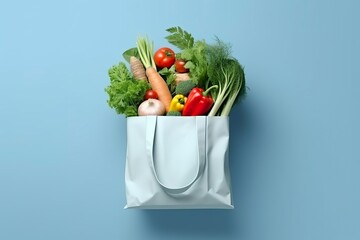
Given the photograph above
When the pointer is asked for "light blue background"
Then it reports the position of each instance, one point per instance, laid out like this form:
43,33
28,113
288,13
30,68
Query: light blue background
295,141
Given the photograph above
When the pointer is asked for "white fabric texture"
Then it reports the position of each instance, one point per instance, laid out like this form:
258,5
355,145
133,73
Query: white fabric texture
177,163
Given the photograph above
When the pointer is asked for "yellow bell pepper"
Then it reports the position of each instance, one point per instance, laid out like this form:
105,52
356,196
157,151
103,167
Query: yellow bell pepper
177,103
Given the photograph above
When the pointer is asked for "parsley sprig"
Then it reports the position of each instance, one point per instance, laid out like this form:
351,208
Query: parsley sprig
180,38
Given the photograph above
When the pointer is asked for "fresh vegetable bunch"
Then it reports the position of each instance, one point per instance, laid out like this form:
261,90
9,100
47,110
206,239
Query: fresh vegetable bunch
199,79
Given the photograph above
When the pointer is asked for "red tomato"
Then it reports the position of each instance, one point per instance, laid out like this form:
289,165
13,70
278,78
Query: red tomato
151,94
164,57
180,66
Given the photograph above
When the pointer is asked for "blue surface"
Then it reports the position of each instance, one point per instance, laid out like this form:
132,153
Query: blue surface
295,153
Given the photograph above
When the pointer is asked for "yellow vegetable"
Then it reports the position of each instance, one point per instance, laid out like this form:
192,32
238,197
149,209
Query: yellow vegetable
177,103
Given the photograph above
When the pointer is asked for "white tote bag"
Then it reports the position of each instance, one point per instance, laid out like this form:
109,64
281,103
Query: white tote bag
177,162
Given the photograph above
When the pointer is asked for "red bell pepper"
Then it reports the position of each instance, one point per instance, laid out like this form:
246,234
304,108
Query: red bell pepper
198,102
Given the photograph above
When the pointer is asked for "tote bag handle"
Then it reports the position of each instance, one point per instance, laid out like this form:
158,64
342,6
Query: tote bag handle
151,122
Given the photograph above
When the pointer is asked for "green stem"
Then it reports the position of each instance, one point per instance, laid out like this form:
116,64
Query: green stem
229,104
209,89
220,99
145,49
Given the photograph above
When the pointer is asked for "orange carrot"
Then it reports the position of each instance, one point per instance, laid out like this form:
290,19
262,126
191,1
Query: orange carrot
159,86
145,48
137,69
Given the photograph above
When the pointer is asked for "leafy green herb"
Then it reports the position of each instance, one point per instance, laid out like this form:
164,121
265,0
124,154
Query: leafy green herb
180,38
125,93
169,76
119,73
196,62
193,52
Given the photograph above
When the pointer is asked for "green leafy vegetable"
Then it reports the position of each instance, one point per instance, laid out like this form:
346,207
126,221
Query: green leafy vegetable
169,75
237,89
226,72
196,62
125,93
180,38
193,52
132,52
119,73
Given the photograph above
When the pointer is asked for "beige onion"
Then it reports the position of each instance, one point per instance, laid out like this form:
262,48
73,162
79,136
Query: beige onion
151,107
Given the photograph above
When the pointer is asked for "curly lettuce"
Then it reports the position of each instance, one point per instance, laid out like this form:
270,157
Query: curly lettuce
125,93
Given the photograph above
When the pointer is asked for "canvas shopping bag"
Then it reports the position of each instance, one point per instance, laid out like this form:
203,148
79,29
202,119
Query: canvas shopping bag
177,162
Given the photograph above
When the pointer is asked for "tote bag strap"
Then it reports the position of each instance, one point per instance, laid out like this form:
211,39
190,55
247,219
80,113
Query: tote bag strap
151,122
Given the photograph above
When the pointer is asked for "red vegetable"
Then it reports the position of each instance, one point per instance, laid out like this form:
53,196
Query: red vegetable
198,102
151,94
180,66
164,57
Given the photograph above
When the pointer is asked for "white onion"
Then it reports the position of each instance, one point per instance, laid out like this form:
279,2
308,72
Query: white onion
151,107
